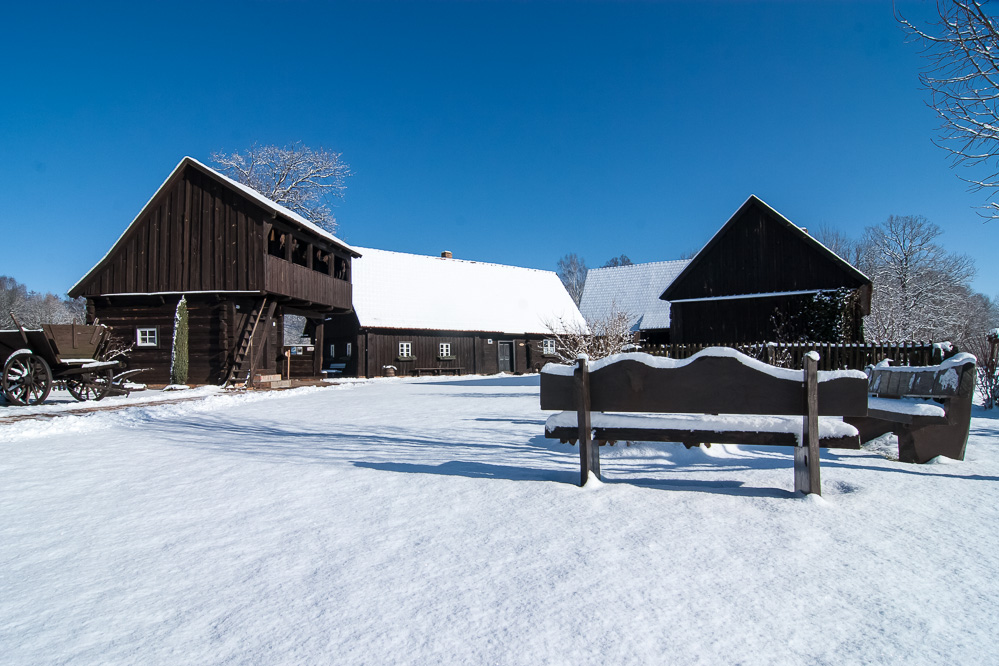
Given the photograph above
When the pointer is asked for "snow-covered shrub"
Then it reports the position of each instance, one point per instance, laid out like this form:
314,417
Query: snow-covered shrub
179,354
599,338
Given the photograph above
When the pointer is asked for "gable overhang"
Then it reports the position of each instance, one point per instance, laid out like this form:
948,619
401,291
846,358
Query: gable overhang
751,201
277,211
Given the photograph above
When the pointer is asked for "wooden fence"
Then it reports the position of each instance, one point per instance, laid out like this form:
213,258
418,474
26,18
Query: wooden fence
832,356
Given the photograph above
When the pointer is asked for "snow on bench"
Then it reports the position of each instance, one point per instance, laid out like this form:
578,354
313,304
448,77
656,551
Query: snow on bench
719,395
927,407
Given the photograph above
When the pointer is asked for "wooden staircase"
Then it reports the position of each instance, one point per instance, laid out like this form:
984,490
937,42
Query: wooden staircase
246,355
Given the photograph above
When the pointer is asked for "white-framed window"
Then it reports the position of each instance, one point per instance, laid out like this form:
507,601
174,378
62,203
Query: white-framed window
548,347
405,349
348,350
445,349
332,351
146,337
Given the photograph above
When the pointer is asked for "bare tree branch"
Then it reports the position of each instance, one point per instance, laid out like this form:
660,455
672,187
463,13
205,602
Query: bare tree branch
303,180
572,270
962,76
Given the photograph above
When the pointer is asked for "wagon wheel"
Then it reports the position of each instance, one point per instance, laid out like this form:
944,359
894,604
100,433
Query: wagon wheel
91,385
26,379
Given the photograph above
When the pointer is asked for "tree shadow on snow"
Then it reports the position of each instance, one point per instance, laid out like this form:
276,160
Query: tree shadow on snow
474,470
488,396
510,380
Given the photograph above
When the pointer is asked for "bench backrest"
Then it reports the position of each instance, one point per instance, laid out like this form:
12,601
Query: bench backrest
714,381
953,378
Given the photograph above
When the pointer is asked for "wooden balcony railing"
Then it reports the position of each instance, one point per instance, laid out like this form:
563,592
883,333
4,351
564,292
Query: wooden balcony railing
288,279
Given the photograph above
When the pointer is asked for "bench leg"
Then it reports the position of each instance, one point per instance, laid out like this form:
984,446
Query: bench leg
921,445
806,471
806,453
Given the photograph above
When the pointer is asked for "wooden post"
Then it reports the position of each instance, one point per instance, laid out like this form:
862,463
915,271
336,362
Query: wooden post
317,349
589,454
806,453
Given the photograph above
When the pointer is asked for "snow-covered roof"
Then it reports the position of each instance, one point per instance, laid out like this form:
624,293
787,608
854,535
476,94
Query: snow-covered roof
412,291
249,192
633,290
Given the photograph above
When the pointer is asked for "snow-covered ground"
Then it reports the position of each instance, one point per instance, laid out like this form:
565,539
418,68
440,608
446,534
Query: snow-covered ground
429,521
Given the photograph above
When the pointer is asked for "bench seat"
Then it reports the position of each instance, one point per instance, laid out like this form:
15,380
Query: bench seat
704,429
913,411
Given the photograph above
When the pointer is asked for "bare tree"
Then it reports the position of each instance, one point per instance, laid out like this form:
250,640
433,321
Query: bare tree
599,338
920,290
572,270
962,77
303,180
985,347
842,245
614,262
33,309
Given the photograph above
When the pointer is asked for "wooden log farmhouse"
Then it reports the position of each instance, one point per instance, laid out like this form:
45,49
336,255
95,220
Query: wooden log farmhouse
416,314
241,261
760,278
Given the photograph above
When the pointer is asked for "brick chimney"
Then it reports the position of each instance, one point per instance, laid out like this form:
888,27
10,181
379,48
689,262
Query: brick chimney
446,254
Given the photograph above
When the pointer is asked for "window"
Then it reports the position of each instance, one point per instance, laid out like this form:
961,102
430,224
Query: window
548,347
348,351
405,350
445,349
146,337
332,351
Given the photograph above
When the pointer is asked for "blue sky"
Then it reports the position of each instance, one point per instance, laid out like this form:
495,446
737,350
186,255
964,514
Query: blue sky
506,132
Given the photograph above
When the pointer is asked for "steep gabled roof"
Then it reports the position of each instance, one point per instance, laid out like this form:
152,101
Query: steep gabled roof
412,291
633,290
279,211
694,280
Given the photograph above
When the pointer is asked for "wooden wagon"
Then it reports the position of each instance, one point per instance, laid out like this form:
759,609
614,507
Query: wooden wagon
33,359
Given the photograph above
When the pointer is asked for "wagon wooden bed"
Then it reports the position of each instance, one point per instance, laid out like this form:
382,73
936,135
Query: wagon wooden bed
33,359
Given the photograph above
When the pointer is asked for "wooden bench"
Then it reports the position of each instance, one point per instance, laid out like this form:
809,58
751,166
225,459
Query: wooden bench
927,407
717,396
451,370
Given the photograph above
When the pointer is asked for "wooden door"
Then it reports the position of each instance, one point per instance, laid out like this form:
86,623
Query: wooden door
505,356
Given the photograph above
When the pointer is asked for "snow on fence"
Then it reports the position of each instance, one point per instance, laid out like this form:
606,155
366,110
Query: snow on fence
832,356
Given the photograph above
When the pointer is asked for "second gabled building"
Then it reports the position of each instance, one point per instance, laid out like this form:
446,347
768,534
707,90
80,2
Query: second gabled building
416,314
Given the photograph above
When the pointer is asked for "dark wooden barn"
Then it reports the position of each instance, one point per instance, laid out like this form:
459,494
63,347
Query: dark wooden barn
241,261
416,314
762,278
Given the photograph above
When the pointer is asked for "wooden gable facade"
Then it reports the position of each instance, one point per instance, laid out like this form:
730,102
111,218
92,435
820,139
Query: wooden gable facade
757,279
240,260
